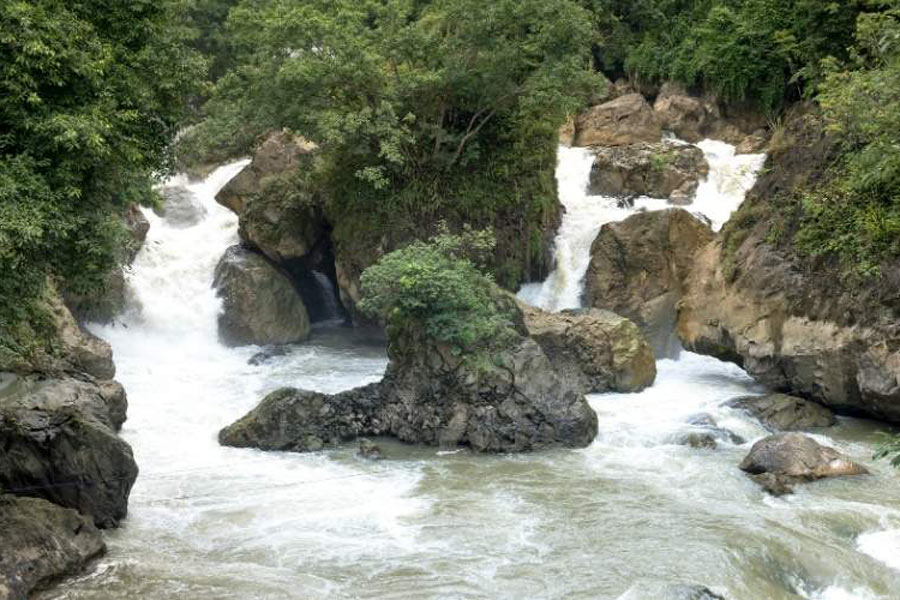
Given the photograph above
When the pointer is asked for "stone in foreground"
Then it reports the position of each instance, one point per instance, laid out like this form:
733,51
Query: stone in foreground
59,443
42,542
780,461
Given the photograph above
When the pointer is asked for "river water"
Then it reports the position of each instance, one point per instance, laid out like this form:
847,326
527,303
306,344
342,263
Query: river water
631,511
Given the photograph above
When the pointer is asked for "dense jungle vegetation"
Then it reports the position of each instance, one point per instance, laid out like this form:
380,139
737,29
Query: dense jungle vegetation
435,108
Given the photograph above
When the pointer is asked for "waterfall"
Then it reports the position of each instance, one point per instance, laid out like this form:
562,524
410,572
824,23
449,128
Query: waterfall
730,176
330,310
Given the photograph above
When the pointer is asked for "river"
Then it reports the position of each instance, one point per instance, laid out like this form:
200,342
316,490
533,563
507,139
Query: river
631,511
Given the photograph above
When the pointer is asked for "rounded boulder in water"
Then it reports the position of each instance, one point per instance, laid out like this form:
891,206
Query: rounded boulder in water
181,207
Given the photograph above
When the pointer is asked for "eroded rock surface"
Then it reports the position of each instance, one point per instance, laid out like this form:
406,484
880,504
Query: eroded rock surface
780,461
40,543
596,350
659,170
638,268
260,305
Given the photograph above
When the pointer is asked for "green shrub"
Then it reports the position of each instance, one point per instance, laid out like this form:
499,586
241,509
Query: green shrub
439,288
889,449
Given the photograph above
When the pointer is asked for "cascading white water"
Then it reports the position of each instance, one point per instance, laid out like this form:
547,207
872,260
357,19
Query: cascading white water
208,522
730,176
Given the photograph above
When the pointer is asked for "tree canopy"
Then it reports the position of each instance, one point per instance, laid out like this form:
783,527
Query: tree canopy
91,94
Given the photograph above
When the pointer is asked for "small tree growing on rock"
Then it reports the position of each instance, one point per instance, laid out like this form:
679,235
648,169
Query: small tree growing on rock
439,289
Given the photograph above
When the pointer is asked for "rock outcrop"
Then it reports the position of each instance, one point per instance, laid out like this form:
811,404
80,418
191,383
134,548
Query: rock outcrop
435,400
626,120
276,153
704,432
660,170
780,461
780,412
693,118
596,350
638,268
260,305
511,400
41,543
59,443
669,591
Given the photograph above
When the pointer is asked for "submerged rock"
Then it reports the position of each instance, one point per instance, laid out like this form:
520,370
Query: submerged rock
369,450
41,543
706,433
669,591
626,120
660,170
781,412
596,350
260,305
433,400
267,354
59,443
780,461
638,267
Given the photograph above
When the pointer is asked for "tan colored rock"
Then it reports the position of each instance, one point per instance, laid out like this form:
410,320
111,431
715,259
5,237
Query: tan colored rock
660,170
567,132
841,366
82,350
779,461
276,153
638,267
595,349
625,120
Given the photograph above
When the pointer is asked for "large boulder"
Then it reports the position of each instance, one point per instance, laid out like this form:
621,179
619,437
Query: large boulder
694,118
779,461
42,543
780,412
625,120
181,208
432,395
276,153
59,443
660,170
595,350
260,305
638,267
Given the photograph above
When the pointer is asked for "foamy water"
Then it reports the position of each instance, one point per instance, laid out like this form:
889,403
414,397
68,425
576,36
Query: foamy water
208,522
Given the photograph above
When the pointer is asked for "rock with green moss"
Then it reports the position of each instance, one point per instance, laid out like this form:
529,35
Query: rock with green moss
41,544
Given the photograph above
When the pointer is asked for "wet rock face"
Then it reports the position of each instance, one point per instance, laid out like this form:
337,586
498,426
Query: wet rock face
625,120
260,305
780,461
42,542
595,350
181,208
659,170
638,267
780,412
59,442
431,398
669,591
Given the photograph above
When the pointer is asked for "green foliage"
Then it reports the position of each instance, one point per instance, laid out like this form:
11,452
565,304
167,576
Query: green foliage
856,214
740,49
889,449
91,93
438,288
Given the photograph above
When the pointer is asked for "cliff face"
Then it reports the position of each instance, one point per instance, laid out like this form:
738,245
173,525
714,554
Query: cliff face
795,322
